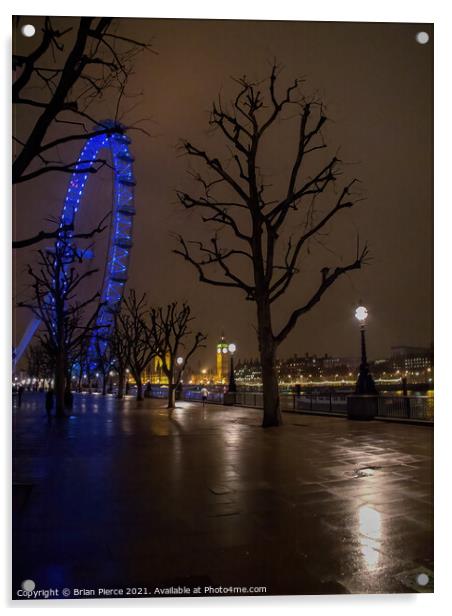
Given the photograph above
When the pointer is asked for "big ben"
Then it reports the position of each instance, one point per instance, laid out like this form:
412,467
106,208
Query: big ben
222,361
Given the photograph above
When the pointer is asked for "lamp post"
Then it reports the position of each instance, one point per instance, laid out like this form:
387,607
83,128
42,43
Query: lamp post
110,382
232,385
127,381
180,363
365,384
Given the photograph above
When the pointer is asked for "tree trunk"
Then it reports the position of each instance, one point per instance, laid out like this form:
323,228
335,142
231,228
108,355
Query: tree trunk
120,394
267,350
171,396
60,384
272,409
67,390
104,384
139,388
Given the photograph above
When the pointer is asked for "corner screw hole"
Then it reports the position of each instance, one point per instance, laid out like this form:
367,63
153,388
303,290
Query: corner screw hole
28,585
28,30
422,38
422,579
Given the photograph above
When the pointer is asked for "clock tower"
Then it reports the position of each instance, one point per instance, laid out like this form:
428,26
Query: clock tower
222,361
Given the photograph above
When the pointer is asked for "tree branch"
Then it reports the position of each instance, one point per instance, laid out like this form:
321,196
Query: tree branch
327,281
214,257
279,287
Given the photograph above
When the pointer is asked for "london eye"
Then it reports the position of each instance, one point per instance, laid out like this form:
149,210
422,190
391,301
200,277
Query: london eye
122,214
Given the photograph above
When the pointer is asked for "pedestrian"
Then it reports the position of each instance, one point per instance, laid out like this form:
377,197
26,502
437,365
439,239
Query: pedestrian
204,394
49,402
20,394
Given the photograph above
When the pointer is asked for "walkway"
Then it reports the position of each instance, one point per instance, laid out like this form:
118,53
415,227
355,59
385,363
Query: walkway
124,494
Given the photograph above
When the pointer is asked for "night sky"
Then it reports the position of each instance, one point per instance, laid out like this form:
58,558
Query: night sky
376,82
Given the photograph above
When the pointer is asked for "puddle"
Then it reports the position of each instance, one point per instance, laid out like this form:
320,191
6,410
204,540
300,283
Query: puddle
366,471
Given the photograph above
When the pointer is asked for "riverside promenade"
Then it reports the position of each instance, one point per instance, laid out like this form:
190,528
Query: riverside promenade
127,495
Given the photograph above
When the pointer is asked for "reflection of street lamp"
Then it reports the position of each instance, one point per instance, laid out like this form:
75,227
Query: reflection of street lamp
365,384
232,386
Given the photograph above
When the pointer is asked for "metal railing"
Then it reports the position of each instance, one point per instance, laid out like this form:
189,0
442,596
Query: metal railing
328,403
214,397
406,407
333,403
191,395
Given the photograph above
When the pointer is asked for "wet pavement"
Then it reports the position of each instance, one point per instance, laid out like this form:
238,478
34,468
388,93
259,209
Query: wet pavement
124,494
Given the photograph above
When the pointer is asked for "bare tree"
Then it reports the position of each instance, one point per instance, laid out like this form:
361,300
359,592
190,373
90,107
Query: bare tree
55,283
121,347
170,331
104,358
133,319
238,201
58,84
39,364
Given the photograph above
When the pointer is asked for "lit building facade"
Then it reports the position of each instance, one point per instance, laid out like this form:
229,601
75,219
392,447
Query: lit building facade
411,359
153,373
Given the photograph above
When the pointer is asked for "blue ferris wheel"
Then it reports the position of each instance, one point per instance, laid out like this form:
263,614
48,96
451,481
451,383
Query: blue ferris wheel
123,211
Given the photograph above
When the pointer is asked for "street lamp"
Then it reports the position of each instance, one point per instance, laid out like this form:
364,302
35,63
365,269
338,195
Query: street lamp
110,382
365,384
127,381
232,385
180,363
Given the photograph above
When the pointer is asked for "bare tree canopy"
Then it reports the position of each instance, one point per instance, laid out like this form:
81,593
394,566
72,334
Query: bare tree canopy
121,348
172,335
68,323
71,80
133,323
235,199
58,85
39,364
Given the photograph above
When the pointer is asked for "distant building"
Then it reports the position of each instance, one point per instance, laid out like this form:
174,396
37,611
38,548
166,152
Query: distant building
299,368
153,373
412,359
248,372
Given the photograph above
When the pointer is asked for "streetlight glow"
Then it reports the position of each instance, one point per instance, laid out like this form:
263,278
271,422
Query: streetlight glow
179,361
361,313
232,348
